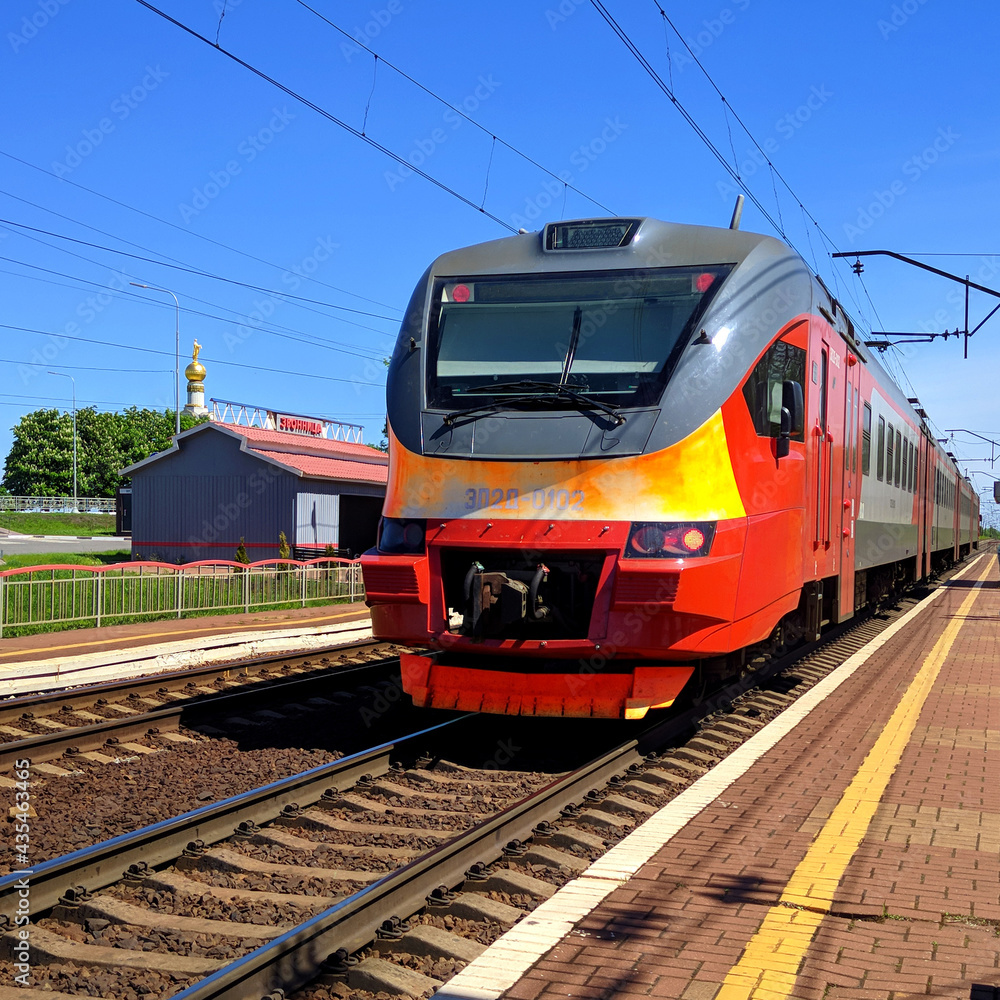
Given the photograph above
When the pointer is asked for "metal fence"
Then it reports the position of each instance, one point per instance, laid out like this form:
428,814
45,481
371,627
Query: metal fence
104,595
85,505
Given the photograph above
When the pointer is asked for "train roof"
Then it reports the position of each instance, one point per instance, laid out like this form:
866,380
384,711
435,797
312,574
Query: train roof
645,242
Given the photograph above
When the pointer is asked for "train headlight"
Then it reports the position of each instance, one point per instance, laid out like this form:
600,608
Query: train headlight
400,536
659,540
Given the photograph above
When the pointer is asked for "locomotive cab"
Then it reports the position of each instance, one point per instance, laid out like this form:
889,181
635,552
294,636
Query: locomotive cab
614,455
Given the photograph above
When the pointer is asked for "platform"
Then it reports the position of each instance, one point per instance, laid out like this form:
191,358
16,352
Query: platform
52,660
848,851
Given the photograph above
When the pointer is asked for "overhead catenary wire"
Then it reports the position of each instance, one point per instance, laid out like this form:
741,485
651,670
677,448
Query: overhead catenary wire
140,246
242,316
682,110
244,320
700,132
62,335
191,232
196,271
402,161
775,172
457,110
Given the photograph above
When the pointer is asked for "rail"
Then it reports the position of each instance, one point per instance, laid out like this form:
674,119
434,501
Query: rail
102,595
187,705
85,505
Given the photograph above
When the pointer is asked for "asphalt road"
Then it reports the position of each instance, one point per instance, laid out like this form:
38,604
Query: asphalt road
28,545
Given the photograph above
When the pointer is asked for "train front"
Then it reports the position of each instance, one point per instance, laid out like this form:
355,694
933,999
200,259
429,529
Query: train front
563,524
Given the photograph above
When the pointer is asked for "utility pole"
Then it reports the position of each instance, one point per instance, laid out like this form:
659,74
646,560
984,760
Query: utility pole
73,380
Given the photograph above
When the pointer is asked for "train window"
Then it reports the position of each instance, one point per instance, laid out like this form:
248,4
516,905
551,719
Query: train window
880,454
866,439
611,335
782,362
899,455
905,450
913,467
888,455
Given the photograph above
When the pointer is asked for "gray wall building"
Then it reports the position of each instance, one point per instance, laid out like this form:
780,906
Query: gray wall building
218,483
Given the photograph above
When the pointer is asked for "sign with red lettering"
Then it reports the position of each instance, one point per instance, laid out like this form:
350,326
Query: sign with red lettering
300,425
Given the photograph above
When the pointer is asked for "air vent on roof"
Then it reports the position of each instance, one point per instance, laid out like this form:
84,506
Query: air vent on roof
590,234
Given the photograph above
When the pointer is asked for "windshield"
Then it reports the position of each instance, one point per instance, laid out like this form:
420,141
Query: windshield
613,336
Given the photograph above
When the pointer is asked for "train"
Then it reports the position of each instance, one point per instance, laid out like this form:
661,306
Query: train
625,453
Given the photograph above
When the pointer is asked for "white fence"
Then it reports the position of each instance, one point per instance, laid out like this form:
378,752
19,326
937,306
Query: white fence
85,505
103,595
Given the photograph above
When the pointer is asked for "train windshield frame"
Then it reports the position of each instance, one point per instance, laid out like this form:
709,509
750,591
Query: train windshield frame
518,339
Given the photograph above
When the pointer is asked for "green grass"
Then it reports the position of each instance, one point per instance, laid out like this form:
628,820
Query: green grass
17,631
67,559
26,523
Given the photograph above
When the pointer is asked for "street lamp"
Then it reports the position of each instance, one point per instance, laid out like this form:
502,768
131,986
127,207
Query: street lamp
73,380
177,354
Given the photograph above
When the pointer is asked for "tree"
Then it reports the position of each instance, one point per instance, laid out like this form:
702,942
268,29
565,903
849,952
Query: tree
283,550
40,462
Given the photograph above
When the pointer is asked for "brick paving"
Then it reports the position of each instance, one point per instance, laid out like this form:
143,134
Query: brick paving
917,911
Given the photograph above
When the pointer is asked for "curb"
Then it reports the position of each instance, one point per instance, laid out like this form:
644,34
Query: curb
69,538
37,676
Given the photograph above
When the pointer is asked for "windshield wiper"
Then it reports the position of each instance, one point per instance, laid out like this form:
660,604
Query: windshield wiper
557,393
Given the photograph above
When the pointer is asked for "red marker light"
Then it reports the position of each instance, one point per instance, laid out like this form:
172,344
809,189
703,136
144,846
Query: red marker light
693,539
460,293
704,282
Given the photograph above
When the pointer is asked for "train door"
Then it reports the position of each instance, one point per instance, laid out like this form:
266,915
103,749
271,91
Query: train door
850,492
928,501
821,441
828,418
918,501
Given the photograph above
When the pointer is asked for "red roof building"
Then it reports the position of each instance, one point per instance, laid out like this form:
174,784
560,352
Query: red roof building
220,482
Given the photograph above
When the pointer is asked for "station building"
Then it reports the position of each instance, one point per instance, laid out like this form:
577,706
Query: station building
252,473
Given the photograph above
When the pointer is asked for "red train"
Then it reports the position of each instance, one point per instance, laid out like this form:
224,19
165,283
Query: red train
623,450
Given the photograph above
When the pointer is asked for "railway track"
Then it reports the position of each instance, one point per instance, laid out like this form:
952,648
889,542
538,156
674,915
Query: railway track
106,717
372,874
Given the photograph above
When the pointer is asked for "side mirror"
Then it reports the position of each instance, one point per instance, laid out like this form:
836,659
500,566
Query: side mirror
793,400
783,444
792,416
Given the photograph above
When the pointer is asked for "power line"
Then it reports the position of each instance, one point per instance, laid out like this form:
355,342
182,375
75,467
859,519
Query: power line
170,354
196,271
138,246
284,332
62,399
685,114
482,128
773,169
330,117
189,232
84,368
734,173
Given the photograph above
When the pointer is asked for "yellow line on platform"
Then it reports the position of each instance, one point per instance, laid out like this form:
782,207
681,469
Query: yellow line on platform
773,957
261,627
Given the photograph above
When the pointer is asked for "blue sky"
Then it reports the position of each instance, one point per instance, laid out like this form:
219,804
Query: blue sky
880,116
